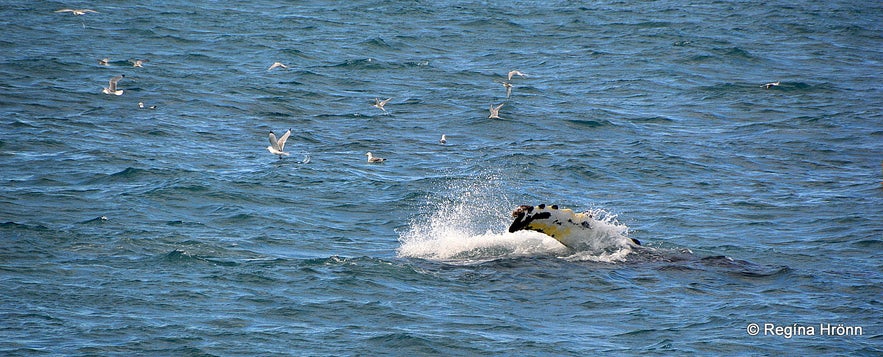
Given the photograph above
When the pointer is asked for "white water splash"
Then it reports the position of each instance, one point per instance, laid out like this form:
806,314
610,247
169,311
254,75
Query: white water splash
471,227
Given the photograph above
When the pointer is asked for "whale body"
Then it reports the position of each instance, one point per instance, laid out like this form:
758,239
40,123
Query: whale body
574,230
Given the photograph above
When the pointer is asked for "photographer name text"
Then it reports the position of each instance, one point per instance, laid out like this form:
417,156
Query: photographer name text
789,331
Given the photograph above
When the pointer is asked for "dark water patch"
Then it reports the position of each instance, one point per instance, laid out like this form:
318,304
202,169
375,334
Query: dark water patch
183,257
377,43
495,23
651,119
13,226
869,244
181,223
589,123
20,124
735,53
361,63
411,343
129,175
743,268
239,218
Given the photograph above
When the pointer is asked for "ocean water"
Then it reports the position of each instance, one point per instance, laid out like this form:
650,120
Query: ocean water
173,231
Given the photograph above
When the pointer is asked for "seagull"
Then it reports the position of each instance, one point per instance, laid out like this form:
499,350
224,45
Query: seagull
112,86
77,12
138,63
374,160
104,61
495,111
771,84
508,87
443,140
276,146
380,103
141,106
277,65
516,73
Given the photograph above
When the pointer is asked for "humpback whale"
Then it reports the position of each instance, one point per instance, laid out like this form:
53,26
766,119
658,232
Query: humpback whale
570,228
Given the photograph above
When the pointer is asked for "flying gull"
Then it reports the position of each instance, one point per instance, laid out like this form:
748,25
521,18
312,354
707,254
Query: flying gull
77,12
138,63
508,87
380,103
277,146
495,111
516,73
277,65
112,86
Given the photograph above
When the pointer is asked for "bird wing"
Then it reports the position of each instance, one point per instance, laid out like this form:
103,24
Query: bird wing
498,107
385,101
273,141
64,10
515,73
112,86
283,139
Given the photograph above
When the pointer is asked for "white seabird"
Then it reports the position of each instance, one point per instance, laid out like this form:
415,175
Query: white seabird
374,160
508,87
112,86
495,111
138,63
77,12
771,84
380,103
277,146
277,65
443,140
516,73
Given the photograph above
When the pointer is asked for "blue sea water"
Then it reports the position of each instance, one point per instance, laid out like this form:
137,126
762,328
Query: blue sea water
173,231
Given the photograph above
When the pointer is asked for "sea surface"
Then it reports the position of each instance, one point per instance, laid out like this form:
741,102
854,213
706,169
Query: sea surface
173,231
